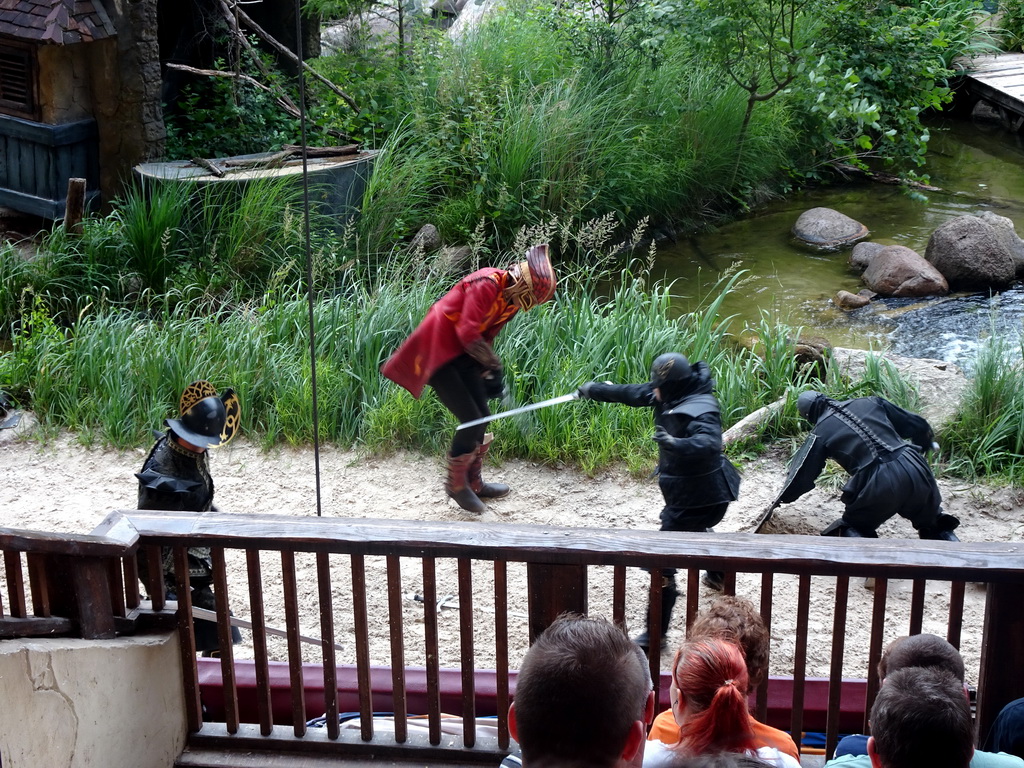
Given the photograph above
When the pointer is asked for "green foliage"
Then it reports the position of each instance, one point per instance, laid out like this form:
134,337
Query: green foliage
224,116
1011,25
986,437
882,65
220,243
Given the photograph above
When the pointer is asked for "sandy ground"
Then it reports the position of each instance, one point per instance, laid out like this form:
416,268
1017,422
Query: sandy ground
62,486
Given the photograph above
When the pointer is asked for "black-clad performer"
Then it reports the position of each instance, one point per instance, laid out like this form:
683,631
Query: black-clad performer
888,476
176,477
696,479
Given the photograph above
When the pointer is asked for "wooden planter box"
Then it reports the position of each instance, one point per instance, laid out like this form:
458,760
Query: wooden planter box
36,161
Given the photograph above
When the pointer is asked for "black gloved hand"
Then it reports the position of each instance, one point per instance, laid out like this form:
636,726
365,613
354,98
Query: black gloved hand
584,390
494,384
662,437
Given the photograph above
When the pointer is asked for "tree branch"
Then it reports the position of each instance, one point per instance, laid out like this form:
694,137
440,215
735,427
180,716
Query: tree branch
229,14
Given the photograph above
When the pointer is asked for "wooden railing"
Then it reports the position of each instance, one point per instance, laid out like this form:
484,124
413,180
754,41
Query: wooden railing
349,582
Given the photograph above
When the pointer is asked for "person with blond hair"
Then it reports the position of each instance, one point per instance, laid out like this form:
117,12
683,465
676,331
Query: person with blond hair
709,702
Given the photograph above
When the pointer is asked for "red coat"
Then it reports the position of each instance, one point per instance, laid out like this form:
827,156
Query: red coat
474,309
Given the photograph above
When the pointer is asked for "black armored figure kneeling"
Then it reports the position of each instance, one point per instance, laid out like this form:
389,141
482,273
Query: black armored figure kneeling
868,437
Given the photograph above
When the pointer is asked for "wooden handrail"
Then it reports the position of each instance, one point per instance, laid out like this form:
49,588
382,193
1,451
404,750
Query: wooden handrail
746,552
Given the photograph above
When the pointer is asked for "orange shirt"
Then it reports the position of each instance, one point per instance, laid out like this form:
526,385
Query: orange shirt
666,731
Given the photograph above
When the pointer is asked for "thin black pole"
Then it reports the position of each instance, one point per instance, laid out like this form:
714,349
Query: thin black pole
310,290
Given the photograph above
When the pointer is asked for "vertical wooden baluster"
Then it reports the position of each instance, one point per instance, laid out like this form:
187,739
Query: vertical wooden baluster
468,657
259,641
835,675
692,596
917,607
729,586
227,657
362,633
187,641
767,585
323,580
881,591
155,570
130,573
501,649
15,584
430,638
39,585
654,630
291,613
619,595
117,601
1002,649
956,613
400,704
800,657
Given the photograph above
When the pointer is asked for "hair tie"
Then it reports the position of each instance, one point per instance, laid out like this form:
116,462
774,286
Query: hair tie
730,682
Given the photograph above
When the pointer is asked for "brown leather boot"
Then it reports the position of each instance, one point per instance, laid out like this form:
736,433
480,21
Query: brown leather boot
476,482
457,485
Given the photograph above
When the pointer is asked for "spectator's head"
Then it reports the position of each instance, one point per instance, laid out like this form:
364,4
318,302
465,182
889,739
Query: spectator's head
709,697
583,696
735,619
921,717
921,651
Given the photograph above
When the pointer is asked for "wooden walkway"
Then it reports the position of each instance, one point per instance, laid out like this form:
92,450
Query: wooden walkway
998,80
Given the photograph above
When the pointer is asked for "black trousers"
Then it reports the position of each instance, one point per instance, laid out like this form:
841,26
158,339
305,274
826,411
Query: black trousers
460,387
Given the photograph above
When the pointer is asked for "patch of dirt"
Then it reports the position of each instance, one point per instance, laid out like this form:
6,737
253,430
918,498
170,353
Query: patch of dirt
65,487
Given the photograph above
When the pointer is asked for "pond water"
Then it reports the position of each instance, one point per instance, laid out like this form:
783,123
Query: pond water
979,166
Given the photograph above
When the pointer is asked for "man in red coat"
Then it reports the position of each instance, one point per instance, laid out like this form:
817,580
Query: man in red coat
451,350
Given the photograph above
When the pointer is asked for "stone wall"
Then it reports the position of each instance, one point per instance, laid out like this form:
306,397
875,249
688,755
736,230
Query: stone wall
71,703
126,80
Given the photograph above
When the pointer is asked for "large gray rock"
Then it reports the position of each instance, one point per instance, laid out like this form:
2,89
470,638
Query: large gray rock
899,271
971,255
863,253
1007,235
826,229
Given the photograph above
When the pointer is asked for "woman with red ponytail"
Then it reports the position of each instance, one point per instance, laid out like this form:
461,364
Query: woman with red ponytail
709,702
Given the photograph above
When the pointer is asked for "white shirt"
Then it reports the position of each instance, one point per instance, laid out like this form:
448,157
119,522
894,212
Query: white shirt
659,755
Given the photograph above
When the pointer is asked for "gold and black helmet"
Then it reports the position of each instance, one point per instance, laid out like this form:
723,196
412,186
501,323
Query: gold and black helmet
207,419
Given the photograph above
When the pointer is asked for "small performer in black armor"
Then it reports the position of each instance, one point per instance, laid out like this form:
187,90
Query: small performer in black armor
888,476
176,477
695,477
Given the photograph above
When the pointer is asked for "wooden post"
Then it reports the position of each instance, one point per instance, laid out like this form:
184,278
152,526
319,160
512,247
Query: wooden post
1002,653
74,208
553,590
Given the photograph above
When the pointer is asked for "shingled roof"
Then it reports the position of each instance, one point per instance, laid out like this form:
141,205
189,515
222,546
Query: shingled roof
55,21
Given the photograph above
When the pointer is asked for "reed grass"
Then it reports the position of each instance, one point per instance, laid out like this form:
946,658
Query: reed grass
986,436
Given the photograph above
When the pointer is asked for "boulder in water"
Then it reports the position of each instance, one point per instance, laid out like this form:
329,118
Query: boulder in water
971,255
827,230
899,271
863,253
846,300
1004,230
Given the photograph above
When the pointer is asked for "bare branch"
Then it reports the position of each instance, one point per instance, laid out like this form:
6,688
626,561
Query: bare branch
229,13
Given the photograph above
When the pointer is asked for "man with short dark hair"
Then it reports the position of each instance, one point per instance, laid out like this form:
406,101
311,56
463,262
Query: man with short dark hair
921,718
921,651
583,697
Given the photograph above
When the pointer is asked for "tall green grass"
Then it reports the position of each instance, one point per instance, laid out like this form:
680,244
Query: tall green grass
986,437
515,127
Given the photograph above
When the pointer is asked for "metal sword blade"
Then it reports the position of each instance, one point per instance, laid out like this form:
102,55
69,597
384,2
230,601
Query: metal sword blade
523,409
